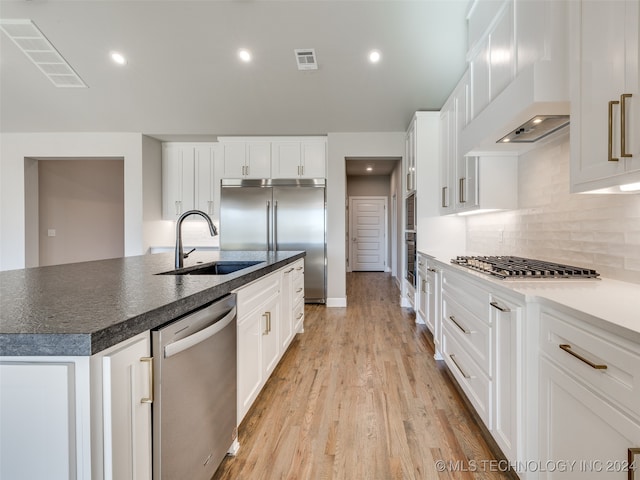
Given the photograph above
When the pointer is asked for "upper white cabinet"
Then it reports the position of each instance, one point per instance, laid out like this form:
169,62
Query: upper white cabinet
517,70
294,158
605,95
243,158
471,183
410,157
188,179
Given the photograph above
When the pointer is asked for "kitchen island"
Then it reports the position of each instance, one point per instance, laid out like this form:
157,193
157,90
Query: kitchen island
84,308
76,384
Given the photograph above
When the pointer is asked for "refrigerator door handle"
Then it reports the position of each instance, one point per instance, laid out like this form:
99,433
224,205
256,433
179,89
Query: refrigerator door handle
275,225
268,225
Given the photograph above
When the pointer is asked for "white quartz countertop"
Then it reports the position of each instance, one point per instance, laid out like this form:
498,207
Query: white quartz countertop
600,300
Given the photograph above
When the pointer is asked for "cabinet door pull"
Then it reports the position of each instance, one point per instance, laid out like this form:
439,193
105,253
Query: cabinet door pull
444,197
453,319
623,125
210,204
634,462
461,195
149,362
266,323
289,271
432,270
567,348
178,207
497,305
453,359
424,286
611,104
300,316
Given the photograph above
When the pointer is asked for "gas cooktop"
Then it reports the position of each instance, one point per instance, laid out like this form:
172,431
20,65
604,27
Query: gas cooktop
522,268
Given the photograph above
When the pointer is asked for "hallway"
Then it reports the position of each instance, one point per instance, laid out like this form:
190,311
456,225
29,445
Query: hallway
359,396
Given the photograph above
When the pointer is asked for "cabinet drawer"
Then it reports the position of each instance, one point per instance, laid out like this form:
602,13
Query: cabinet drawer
472,333
475,384
467,294
614,371
255,294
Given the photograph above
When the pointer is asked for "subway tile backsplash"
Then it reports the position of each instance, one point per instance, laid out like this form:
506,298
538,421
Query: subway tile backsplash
590,230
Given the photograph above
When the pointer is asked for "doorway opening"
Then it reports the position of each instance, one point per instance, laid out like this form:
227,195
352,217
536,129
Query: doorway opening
79,209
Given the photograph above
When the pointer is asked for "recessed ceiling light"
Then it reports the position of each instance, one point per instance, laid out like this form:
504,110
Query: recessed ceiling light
369,169
118,58
244,55
374,56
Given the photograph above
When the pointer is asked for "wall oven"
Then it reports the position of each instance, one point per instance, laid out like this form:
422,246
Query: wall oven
410,212
410,245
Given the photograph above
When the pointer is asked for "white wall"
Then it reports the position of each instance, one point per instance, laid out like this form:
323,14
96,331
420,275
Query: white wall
590,230
16,147
342,145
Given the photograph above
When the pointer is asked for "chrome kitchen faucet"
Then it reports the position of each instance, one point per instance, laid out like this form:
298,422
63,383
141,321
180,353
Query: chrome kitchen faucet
179,252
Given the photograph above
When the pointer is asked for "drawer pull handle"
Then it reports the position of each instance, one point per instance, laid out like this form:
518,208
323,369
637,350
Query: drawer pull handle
289,271
453,359
567,348
300,316
149,362
432,270
497,305
453,319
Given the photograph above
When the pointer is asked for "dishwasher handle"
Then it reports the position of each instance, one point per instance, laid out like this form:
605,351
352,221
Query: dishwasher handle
200,336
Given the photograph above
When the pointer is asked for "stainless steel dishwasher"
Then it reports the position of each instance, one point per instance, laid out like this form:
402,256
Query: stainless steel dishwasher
194,410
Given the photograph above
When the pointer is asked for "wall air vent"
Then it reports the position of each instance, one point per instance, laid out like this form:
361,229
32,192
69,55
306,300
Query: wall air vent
28,37
306,59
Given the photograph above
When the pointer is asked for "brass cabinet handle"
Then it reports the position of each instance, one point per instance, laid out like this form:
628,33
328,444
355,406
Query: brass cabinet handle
178,207
453,319
300,316
623,125
497,305
461,196
444,197
289,271
567,348
299,268
267,319
432,270
149,362
633,465
210,203
453,359
299,290
424,286
611,104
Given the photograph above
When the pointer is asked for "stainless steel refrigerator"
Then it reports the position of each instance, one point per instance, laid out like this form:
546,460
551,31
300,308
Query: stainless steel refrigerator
278,214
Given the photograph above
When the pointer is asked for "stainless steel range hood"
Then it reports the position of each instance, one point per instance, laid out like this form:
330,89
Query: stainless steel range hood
536,129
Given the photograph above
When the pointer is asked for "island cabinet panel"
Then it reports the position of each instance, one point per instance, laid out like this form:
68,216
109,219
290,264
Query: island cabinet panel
44,408
121,403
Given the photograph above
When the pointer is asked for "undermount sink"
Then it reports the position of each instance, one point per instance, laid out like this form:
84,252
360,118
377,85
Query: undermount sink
214,268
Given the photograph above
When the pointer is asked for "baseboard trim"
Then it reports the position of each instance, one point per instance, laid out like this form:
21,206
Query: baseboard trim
337,302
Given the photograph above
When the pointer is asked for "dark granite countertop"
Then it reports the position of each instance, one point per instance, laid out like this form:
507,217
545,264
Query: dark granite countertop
83,308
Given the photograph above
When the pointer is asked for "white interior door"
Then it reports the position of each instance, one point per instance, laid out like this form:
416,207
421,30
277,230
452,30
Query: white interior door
368,233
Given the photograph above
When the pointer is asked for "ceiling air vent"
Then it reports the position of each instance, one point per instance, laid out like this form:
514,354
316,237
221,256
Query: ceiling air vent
306,58
41,52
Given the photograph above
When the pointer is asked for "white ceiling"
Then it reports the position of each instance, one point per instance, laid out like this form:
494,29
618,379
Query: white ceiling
184,79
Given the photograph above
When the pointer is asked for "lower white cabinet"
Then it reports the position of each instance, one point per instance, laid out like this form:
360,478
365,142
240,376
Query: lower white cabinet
77,417
122,392
589,398
483,346
422,291
266,327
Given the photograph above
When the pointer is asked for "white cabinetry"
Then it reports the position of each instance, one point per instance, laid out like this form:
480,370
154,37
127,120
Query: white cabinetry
471,183
266,327
605,95
410,156
77,417
189,179
292,302
294,158
589,398
121,435
245,158
482,344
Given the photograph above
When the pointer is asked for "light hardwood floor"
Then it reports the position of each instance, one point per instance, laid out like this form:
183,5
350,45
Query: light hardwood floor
358,396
